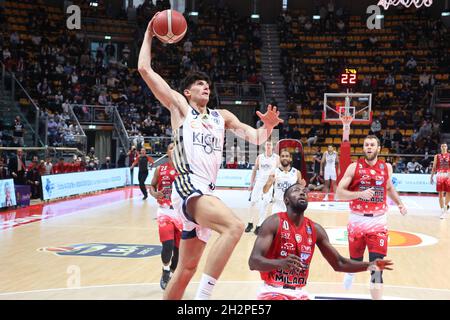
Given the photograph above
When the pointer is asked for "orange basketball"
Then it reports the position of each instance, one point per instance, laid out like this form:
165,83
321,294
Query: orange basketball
169,26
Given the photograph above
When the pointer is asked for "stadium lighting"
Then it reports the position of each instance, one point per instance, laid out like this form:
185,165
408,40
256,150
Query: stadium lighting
255,16
107,37
380,16
238,102
316,17
93,4
446,14
193,13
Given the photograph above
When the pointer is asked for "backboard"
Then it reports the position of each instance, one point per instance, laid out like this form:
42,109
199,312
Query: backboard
339,105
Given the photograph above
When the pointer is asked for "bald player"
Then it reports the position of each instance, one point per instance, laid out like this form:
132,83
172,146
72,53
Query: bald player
367,183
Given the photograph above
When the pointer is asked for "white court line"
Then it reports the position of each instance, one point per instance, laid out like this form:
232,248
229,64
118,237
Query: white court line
43,219
220,282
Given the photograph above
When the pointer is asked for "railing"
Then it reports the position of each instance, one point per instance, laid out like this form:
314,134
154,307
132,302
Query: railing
43,152
120,130
240,92
31,114
441,96
94,114
79,139
158,145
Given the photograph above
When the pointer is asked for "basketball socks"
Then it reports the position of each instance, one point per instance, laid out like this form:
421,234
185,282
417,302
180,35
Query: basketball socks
348,280
205,287
166,268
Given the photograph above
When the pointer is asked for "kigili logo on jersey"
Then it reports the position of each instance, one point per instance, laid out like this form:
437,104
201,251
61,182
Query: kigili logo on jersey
209,142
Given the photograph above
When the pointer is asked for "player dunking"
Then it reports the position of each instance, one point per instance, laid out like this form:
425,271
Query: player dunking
367,183
285,246
265,165
328,169
441,167
169,224
283,177
198,135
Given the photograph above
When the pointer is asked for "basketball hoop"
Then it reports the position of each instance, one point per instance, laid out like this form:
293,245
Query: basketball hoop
407,3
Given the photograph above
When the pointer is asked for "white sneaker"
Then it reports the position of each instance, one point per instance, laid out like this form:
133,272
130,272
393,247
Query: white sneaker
348,281
442,214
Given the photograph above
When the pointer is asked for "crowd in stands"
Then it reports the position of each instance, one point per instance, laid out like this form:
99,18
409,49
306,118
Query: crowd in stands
314,53
59,67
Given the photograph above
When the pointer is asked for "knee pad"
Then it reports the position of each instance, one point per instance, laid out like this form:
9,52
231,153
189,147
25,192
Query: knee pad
174,263
167,249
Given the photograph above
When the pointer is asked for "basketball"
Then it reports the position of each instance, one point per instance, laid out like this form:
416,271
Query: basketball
170,26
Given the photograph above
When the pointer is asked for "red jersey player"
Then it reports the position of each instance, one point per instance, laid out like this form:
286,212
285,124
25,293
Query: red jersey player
168,222
367,183
284,249
441,166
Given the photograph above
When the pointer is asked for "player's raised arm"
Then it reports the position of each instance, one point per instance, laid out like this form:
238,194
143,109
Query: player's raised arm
341,264
171,99
256,136
392,193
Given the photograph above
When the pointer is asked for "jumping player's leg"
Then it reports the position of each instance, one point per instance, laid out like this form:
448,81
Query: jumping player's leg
210,212
230,229
191,251
207,212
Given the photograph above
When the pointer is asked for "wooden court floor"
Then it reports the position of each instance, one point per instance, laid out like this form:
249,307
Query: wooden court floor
32,266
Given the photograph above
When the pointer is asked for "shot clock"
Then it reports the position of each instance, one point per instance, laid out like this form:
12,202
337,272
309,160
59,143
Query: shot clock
348,77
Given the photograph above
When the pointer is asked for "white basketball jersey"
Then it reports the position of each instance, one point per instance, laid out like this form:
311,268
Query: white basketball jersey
267,166
284,180
199,145
330,159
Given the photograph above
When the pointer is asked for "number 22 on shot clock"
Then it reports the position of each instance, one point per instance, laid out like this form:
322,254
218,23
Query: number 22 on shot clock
349,77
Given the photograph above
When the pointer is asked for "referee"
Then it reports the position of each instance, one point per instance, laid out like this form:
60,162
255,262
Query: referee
143,162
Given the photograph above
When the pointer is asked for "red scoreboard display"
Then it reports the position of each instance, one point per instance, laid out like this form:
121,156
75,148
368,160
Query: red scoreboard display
349,77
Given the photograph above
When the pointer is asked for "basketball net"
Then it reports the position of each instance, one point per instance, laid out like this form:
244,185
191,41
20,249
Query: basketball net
346,121
407,3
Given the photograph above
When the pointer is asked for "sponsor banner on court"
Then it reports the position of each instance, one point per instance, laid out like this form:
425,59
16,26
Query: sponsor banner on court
232,178
7,193
68,184
240,178
411,182
108,250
